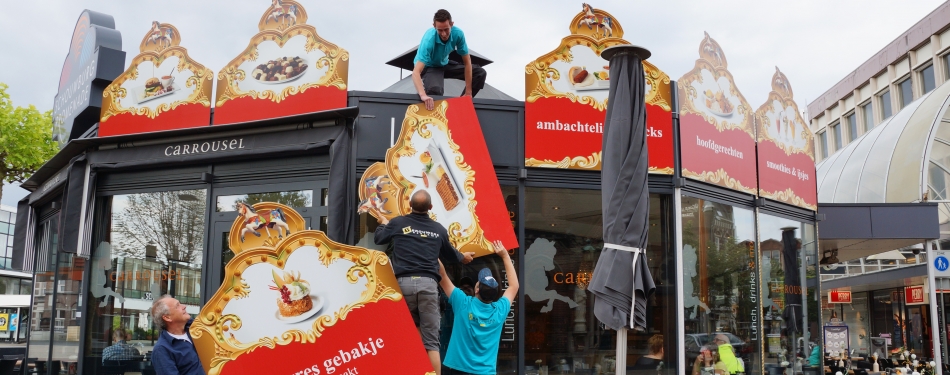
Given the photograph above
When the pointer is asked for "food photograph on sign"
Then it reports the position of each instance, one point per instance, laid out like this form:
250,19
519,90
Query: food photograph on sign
566,94
286,69
786,149
162,89
298,296
434,153
717,124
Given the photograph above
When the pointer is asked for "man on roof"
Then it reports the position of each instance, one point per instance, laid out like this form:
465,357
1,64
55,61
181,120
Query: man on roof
432,64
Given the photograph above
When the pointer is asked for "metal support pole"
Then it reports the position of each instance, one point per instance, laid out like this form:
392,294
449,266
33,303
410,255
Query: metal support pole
934,317
621,368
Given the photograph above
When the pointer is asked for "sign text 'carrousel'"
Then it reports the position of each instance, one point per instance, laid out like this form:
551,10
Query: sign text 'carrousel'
566,93
95,58
204,147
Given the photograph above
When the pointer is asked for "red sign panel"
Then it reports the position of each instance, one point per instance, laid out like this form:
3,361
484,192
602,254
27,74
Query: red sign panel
839,296
717,128
915,295
786,149
566,94
163,89
286,69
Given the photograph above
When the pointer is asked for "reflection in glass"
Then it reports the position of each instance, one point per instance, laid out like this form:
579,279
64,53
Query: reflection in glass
719,283
563,235
43,311
297,198
148,245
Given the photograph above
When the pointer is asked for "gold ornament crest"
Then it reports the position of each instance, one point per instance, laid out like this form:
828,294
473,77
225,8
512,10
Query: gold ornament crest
160,43
797,129
213,331
597,30
283,20
713,60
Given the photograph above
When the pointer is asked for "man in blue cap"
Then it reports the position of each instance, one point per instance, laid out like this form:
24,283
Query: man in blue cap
432,65
479,319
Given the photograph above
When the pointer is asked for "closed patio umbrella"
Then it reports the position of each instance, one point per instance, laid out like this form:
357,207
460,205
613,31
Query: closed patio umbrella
621,281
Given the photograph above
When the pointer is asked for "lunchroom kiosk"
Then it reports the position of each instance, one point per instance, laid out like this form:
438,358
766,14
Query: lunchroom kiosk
141,199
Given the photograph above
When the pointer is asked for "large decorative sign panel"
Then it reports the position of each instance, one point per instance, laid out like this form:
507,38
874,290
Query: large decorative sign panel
163,88
566,94
95,58
717,129
786,153
443,152
286,69
300,303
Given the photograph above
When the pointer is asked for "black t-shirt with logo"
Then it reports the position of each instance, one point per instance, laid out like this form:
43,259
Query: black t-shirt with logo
418,243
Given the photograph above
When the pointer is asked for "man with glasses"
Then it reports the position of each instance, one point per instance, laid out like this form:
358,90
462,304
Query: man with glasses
432,63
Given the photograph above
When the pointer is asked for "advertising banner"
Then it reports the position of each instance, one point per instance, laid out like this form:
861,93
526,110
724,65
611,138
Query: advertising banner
717,129
4,322
286,69
163,88
95,58
294,302
916,295
839,296
443,152
786,152
566,95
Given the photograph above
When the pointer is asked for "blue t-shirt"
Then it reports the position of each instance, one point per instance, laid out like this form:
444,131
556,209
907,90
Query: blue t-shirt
476,333
433,52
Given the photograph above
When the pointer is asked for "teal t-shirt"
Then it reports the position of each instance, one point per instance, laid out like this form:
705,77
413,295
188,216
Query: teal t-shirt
434,52
476,333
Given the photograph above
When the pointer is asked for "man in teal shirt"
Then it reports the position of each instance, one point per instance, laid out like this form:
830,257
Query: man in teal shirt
432,63
476,331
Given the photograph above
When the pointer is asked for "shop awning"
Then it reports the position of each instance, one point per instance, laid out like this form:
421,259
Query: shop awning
856,230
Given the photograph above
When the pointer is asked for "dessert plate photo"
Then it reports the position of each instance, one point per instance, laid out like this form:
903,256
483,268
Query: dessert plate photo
317,305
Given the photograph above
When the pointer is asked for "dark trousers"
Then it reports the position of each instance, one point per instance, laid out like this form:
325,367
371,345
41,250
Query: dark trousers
433,79
451,371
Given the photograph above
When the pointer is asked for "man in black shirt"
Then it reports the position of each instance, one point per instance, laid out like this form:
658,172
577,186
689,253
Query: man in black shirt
418,244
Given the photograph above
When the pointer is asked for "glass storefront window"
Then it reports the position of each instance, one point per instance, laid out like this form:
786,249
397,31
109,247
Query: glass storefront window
148,245
788,270
43,311
299,198
563,239
720,289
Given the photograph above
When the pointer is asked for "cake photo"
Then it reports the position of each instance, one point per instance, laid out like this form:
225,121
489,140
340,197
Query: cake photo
446,191
294,294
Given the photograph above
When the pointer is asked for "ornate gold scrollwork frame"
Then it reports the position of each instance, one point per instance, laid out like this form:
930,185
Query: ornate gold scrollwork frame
156,54
719,177
782,92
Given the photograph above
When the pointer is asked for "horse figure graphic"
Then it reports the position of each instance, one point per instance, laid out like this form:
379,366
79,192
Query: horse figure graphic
102,263
603,24
373,188
162,36
285,15
266,219
539,258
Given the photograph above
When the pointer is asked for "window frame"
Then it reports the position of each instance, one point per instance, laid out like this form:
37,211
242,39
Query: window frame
823,144
863,108
852,125
920,76
900,90
884,104
838,140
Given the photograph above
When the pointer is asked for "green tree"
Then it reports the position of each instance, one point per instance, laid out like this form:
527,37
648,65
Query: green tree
26,139
288,198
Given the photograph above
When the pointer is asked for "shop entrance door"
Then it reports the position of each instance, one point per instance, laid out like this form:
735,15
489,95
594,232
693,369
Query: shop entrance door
309,199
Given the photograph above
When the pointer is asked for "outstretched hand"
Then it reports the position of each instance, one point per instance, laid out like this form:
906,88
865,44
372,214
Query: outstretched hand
499,248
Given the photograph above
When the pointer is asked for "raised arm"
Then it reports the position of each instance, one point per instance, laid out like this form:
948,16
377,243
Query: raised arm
510,274
449,252
384,232
445,283
420,88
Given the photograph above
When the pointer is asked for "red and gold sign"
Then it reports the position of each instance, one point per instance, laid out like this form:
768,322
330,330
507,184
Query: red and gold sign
286,69
566,94
163,89
443,152
839,296
300,303
717,127
786,153
915,295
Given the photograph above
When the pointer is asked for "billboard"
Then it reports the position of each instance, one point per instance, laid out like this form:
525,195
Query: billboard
286,69
163,88
566,96
443,152
786,149
293,302
717,126
95,58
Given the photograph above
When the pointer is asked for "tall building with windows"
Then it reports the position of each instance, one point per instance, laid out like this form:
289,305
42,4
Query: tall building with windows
16,287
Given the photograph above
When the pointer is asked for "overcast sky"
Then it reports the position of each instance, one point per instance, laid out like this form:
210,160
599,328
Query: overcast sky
815,43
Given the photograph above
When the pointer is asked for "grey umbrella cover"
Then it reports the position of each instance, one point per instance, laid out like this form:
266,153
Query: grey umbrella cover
621,282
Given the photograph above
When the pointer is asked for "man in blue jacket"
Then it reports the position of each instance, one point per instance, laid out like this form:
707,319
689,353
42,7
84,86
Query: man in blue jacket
432,63
174,353
418,243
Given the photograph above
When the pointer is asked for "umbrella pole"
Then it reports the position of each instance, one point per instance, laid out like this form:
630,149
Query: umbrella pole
621,363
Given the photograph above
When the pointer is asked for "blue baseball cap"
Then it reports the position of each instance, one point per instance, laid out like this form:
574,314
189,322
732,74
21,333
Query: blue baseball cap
485,278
